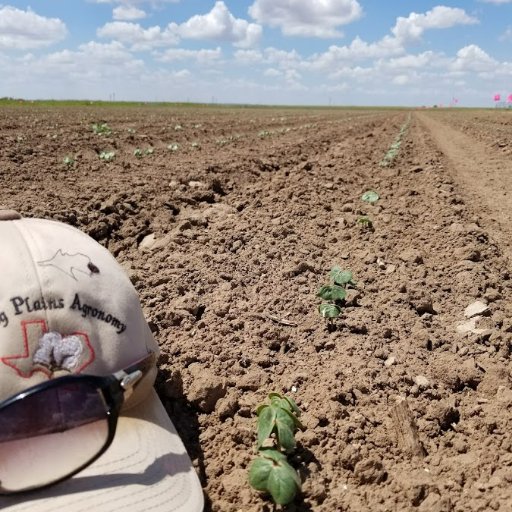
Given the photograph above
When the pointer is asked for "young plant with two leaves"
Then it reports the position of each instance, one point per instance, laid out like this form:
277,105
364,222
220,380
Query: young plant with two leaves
334,293
271,472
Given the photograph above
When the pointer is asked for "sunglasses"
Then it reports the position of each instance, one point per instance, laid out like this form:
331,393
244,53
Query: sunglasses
53,430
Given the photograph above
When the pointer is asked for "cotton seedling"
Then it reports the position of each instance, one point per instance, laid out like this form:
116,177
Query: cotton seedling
173,147
69,161
271,472
101,129
107,156
138,153
365,222
334,293
370,196
395,146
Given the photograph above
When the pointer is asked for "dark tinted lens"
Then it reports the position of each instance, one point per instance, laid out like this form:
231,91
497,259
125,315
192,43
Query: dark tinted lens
50,434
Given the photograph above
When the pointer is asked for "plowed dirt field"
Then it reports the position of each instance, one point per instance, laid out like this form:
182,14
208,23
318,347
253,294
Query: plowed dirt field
229,225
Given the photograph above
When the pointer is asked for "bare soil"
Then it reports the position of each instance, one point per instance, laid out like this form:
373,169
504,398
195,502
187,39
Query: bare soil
228,239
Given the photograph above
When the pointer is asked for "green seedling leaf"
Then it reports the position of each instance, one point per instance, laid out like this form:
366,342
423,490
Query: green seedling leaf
341,277
107,156
272,473
266,422
101,129
279,418
293,407
138,153
285,428
69,161
333,293
370,196
173,147
325,292
329,310
274,419
365,222
287,404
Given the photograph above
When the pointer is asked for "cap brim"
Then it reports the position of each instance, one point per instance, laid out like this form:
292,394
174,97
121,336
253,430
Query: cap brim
145,468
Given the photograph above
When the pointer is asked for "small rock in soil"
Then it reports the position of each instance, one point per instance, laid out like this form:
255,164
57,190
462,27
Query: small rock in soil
390,361
421,381
470,326
476,308
147,242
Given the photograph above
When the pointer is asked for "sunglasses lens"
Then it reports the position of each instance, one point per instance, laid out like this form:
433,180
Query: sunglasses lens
50,434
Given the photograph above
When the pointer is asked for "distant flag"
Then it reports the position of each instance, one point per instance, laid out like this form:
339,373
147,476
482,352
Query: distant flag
455,101
497,97
509,98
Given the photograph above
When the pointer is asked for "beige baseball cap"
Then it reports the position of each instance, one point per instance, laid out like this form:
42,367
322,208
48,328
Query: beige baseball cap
67,307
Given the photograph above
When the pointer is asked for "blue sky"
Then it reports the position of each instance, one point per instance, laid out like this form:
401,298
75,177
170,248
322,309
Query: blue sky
340,52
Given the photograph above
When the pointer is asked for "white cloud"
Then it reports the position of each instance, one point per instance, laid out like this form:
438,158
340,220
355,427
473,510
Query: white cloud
220,25
127,13
411,29
357,50
292,75
306,18
282,57
92,63
507,35
401,79
248,56
473,58
358,74
203,56
183,73
22,30
272,72
420,61
406,30
336,88
137,37
111,54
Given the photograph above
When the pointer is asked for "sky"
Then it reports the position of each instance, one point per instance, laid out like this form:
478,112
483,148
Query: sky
286,52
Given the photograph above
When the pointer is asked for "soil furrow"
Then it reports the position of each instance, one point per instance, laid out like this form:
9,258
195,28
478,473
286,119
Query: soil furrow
486,178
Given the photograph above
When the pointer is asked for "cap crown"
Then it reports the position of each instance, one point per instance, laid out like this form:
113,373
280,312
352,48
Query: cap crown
66,306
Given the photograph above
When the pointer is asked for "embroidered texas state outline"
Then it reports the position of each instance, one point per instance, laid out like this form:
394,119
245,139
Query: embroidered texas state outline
70,264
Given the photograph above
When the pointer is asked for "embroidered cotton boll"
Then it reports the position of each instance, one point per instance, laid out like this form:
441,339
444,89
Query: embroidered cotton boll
57,352
44,352
66,354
